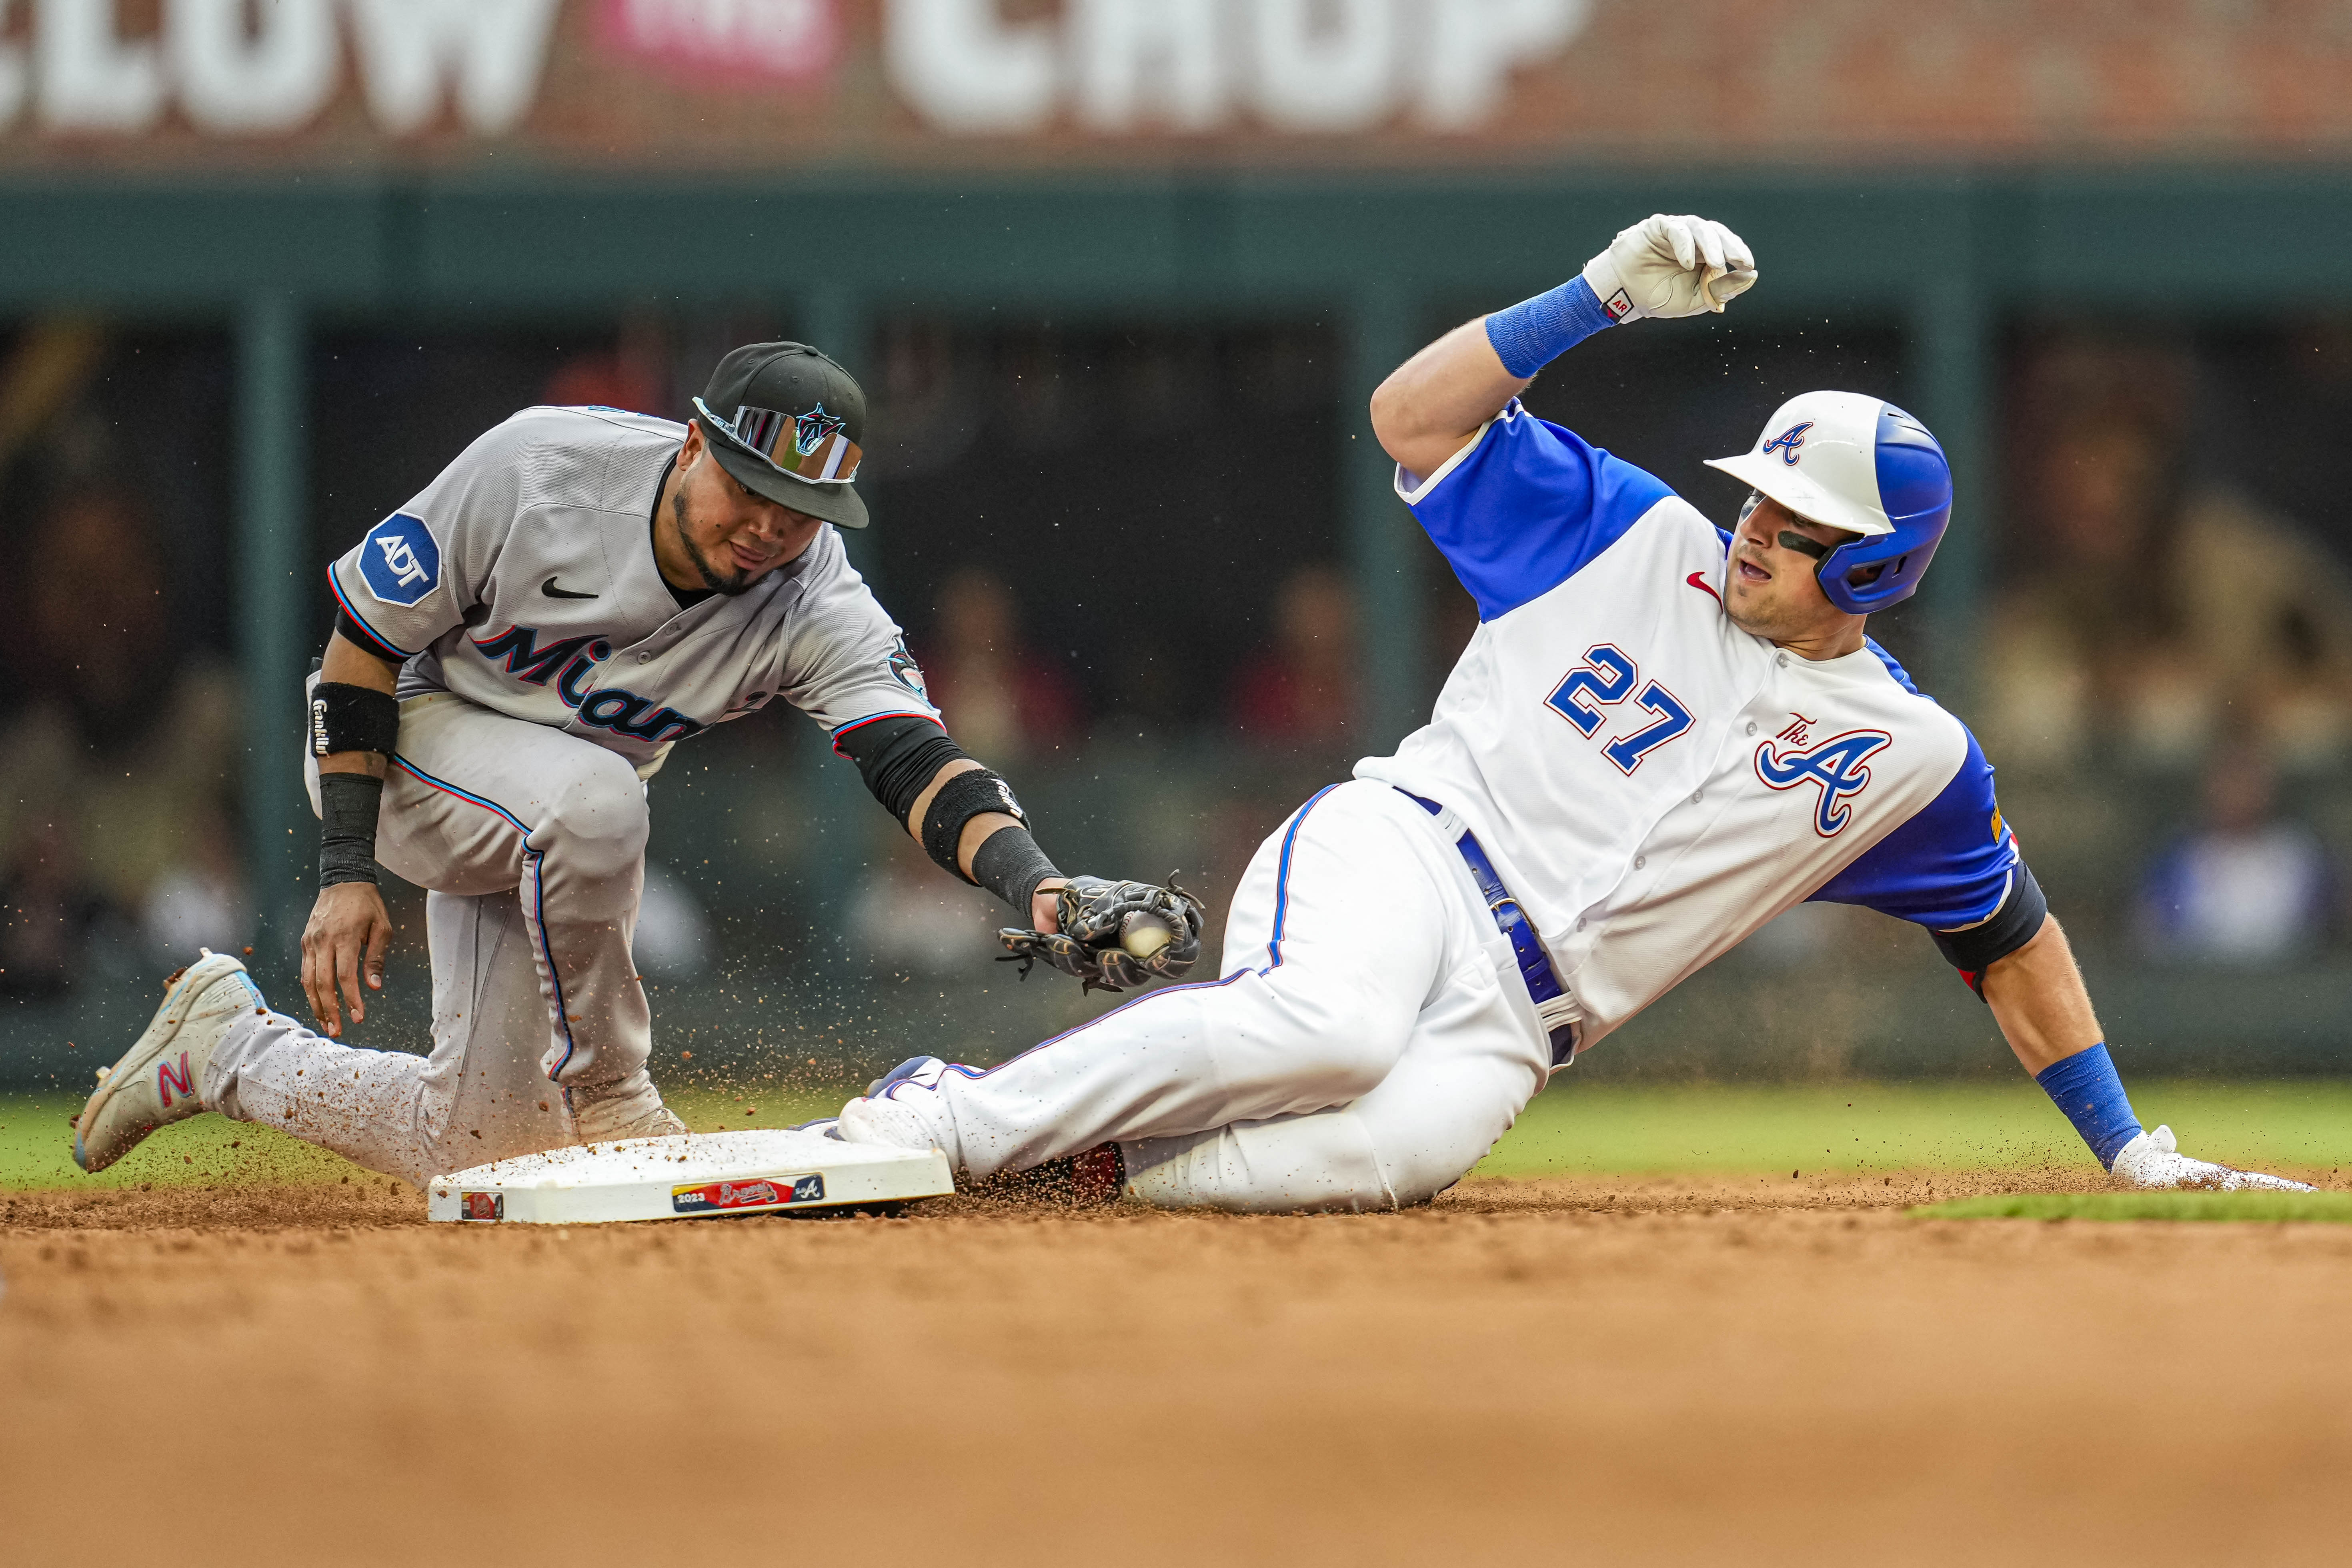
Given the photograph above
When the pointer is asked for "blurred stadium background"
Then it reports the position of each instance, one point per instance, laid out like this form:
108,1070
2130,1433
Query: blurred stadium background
1118,276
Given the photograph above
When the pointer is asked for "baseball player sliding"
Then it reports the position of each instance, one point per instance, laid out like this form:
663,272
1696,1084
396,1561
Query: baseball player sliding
516,651
1661,736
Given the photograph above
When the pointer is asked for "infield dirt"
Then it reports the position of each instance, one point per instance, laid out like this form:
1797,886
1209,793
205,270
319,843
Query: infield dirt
1655,1371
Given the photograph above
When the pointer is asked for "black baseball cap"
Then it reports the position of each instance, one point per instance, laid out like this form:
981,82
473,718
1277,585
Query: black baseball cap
787,421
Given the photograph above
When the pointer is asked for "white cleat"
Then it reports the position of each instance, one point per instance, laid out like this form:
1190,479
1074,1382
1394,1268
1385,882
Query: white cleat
2154,1160
615,1121
156,1083
876,1117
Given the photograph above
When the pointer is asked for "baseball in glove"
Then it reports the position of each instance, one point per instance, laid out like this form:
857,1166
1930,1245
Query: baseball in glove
1114,935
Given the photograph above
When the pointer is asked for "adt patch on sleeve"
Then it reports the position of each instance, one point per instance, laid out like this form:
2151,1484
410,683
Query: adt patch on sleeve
400,560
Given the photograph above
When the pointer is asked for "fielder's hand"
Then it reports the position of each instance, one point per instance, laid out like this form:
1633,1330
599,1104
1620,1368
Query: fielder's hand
1112,935
2154,1160
348,932
1670,266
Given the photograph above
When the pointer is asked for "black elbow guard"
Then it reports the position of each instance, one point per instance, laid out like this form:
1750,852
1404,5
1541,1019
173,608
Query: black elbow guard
897,757
1977,948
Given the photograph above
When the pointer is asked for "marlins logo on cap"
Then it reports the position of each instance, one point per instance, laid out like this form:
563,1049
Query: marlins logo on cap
819,450
792,431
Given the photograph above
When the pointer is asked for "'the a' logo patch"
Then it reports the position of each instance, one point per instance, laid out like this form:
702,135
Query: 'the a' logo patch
1836,767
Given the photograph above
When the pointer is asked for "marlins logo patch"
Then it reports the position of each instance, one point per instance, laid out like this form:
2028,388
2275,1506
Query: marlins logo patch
906,671
1834,767
399,559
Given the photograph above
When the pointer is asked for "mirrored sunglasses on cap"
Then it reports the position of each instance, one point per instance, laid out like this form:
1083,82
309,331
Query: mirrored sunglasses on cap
812,446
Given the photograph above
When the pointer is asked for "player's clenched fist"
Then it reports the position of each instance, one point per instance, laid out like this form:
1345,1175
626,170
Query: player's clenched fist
348,932
1669,267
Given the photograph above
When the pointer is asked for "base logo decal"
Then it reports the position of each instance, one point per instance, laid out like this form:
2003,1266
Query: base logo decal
758,1193
481,1205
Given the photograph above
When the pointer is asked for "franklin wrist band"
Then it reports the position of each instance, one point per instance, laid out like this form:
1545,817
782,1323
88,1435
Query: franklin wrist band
2085,1086
1533,333
348,806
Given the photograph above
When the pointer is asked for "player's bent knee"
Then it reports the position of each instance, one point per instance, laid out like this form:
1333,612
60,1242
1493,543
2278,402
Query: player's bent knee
597,821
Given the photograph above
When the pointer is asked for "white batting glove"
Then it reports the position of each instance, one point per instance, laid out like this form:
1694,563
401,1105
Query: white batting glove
1670,266
2154,1160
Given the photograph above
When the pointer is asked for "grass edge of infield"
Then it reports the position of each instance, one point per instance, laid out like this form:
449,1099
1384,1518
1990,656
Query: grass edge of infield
2253,1208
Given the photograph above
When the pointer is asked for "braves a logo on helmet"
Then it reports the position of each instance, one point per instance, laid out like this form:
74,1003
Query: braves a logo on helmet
1836,766
1787,442
813,430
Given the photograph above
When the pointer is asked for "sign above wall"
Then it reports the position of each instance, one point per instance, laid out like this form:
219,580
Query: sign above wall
1007,84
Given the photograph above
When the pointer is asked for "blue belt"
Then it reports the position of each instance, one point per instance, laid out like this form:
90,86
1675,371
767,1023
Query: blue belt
1535,964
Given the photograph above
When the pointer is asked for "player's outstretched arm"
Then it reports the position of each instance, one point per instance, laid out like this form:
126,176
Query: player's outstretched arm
1012,866
2038,998
1432,405
1109,934
354,725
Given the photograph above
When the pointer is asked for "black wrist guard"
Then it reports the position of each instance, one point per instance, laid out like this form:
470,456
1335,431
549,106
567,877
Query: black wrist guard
353,718
348,806
1009,864
972,793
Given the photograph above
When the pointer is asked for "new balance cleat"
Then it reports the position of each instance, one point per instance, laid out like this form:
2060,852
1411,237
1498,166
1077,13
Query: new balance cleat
156,1082
610,1122
876,1117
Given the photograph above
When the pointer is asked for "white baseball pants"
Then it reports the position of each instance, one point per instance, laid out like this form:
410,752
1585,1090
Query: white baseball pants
530,844
1369,1041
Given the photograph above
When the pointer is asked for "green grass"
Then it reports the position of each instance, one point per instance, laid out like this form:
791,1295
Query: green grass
2255,1208
1570,1129
36,1142
1852,1129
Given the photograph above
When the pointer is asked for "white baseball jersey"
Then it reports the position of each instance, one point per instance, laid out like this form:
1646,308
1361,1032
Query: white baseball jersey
1653,783
523,579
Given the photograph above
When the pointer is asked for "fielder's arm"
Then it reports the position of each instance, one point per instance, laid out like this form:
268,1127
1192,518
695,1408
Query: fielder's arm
354,724
1433,403
963,816
976,832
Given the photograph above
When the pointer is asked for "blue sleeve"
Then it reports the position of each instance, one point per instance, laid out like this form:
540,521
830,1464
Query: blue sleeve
1525,507
1948,868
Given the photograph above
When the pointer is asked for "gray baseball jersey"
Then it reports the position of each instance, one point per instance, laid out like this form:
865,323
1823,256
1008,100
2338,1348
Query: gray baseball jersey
522,578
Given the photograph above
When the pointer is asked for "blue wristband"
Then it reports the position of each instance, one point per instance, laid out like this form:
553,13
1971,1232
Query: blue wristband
1533,333
2085,1086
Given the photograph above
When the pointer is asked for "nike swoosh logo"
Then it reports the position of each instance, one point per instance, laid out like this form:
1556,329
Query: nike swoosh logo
553,591
1696,580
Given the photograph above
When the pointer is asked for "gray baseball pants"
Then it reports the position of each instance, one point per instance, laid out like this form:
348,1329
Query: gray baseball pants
530,845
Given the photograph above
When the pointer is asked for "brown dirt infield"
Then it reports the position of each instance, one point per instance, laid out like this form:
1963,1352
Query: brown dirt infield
1607,1371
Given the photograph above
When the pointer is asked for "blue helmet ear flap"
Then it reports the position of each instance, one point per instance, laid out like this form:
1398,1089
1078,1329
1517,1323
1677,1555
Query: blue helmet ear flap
1915,490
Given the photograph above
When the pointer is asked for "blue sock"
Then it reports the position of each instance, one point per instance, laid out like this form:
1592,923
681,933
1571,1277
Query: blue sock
2085,1086
1533,333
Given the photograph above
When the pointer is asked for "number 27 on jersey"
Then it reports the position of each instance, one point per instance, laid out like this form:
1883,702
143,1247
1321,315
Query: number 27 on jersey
1608,677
